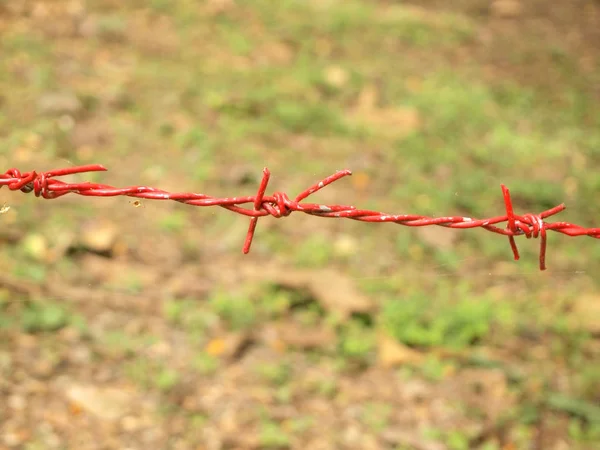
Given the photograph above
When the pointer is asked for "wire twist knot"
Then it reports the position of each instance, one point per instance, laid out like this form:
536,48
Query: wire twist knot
30,182
530,225
281,207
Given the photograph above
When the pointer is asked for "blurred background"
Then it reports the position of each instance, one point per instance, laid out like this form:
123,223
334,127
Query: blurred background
135,325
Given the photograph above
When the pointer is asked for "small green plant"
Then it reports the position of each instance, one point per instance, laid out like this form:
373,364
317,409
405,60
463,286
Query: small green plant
327,387
205,364
6,320
377,416
582,431
46,316
161,6
586,381
436,319
139,371
31,270
316,251
174,310
275,302
356,341
457,440
310,314
238,311
301,424
277,373
190,314
316,119
119,343
434,368
197,421
574,406
284,394
112,28
152,375
166,379
173,222
273,436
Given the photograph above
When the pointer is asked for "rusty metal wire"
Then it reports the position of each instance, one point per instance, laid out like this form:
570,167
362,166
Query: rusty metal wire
278,205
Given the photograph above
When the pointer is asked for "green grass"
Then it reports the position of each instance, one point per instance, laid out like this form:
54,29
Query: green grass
40,316
315,252
279,84
237,311
152,375
450,316
356,341
272,436
206,364
121,344
277,374
376,416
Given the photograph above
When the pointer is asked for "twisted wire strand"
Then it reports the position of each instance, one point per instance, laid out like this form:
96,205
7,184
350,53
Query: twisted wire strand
45,185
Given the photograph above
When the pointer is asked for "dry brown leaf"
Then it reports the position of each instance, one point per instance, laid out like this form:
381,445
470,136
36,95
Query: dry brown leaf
105,403
215,347
337,293
332,289
99,236
299,336
393,122
228,346
391,353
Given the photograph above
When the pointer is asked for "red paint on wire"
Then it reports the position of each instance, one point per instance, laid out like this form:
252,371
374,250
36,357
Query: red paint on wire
278,205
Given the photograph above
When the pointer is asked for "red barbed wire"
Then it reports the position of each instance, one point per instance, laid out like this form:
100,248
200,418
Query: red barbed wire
279,205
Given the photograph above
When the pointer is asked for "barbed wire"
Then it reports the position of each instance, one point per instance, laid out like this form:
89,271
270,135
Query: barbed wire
45,184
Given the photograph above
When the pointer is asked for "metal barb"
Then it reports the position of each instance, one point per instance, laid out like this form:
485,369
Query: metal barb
45,185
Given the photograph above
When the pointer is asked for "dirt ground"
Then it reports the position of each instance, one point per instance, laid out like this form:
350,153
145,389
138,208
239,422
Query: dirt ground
129,325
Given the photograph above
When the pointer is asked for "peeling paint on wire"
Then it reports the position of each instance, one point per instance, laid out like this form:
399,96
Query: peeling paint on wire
45,185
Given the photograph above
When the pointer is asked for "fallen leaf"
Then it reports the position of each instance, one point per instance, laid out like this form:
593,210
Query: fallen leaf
296,335
391,353
337,293
332,289
393,122
99,236
215,347
229,346
59,103
104,402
